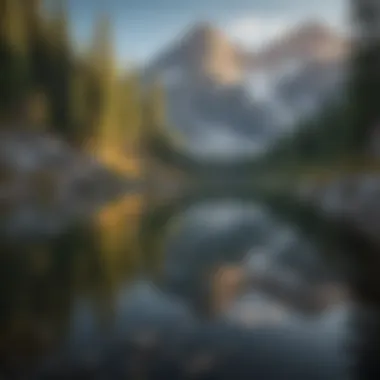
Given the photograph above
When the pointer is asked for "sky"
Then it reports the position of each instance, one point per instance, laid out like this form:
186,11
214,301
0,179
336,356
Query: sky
143,27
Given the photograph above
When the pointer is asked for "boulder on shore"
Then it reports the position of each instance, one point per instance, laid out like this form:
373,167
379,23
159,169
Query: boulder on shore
40,172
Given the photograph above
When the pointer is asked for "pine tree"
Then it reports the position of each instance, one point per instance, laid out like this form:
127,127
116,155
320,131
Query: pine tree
59,81
365,81
103,64
14,26
14,69
365,103
79,103
130,115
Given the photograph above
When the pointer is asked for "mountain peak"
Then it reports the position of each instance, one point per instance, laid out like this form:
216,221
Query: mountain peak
203,39
316,32
204,30
203,51
314,27
312,40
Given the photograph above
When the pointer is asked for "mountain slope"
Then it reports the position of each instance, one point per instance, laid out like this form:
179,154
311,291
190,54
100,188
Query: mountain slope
227,102
308,42
202,52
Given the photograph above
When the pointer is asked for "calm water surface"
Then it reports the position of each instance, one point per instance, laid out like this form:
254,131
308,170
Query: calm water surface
181,277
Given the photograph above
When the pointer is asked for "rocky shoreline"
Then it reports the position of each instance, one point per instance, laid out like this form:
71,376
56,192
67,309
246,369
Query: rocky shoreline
352,199
45,183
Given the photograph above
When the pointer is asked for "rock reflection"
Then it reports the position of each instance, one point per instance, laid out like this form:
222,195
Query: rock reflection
227,250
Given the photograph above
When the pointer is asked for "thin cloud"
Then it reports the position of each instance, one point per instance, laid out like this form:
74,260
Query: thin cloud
252,32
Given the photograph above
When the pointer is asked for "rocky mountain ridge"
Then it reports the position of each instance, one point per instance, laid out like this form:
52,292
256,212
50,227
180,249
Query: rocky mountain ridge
227,101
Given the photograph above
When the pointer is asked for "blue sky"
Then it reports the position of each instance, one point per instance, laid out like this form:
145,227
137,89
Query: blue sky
143,27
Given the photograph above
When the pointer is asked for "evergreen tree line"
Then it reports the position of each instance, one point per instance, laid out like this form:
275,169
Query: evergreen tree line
45,84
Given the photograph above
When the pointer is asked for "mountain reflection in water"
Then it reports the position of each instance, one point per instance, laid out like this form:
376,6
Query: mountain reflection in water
217,288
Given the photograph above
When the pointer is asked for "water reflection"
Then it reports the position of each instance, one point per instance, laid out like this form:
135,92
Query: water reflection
54,290
211,234
244,245
172,270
